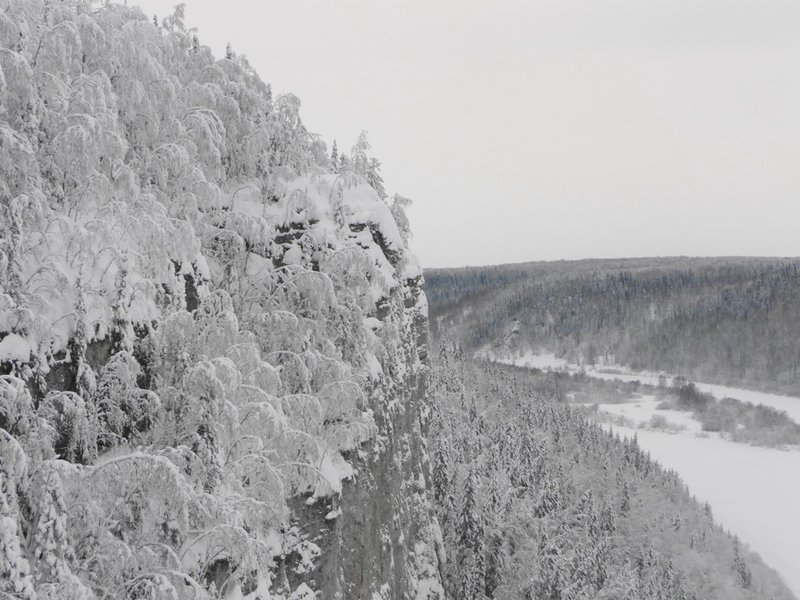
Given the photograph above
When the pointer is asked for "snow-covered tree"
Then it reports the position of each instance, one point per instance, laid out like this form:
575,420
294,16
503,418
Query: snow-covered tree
207,320
335,156
15,572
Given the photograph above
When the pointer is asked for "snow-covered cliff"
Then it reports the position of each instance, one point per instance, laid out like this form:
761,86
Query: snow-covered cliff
212,337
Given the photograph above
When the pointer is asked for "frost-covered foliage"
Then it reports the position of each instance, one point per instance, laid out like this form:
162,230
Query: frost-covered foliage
201,317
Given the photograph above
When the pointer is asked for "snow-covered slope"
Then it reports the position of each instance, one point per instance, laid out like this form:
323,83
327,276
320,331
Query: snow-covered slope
212,337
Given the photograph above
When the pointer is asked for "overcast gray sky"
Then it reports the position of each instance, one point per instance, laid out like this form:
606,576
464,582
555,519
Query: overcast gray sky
549,129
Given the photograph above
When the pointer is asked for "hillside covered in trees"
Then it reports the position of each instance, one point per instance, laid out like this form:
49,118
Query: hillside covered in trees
212,334
536,502
726,320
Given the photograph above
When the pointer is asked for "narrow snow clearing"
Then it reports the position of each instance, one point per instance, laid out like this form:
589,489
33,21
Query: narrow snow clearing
544,361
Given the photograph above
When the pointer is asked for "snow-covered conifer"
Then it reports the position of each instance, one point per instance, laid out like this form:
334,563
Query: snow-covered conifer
15,576
52,548
335,156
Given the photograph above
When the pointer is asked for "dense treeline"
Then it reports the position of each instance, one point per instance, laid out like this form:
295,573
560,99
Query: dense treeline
738,421
534,501
729,320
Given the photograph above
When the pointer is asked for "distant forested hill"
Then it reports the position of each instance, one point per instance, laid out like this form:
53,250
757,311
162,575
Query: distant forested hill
536,502
733,320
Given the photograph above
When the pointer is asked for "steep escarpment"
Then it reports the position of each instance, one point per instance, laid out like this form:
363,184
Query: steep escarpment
212,336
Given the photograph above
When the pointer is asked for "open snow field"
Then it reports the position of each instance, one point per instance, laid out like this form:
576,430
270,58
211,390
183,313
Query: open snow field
641,410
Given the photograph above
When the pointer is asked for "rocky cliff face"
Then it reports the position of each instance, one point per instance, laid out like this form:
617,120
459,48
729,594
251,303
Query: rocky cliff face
378,539
387,533
212,339
385,542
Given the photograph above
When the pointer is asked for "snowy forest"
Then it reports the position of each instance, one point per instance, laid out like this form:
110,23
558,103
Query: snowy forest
537,502
208,322
730,321
216,377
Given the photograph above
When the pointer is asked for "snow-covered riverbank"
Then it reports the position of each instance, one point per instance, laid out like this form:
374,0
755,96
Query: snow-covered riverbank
548,361
639,413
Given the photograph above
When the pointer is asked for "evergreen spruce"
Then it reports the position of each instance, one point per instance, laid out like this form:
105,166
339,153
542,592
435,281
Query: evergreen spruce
335,157
15,577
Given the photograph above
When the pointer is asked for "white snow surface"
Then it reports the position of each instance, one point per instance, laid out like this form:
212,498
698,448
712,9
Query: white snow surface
14,347
641,410
544,361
